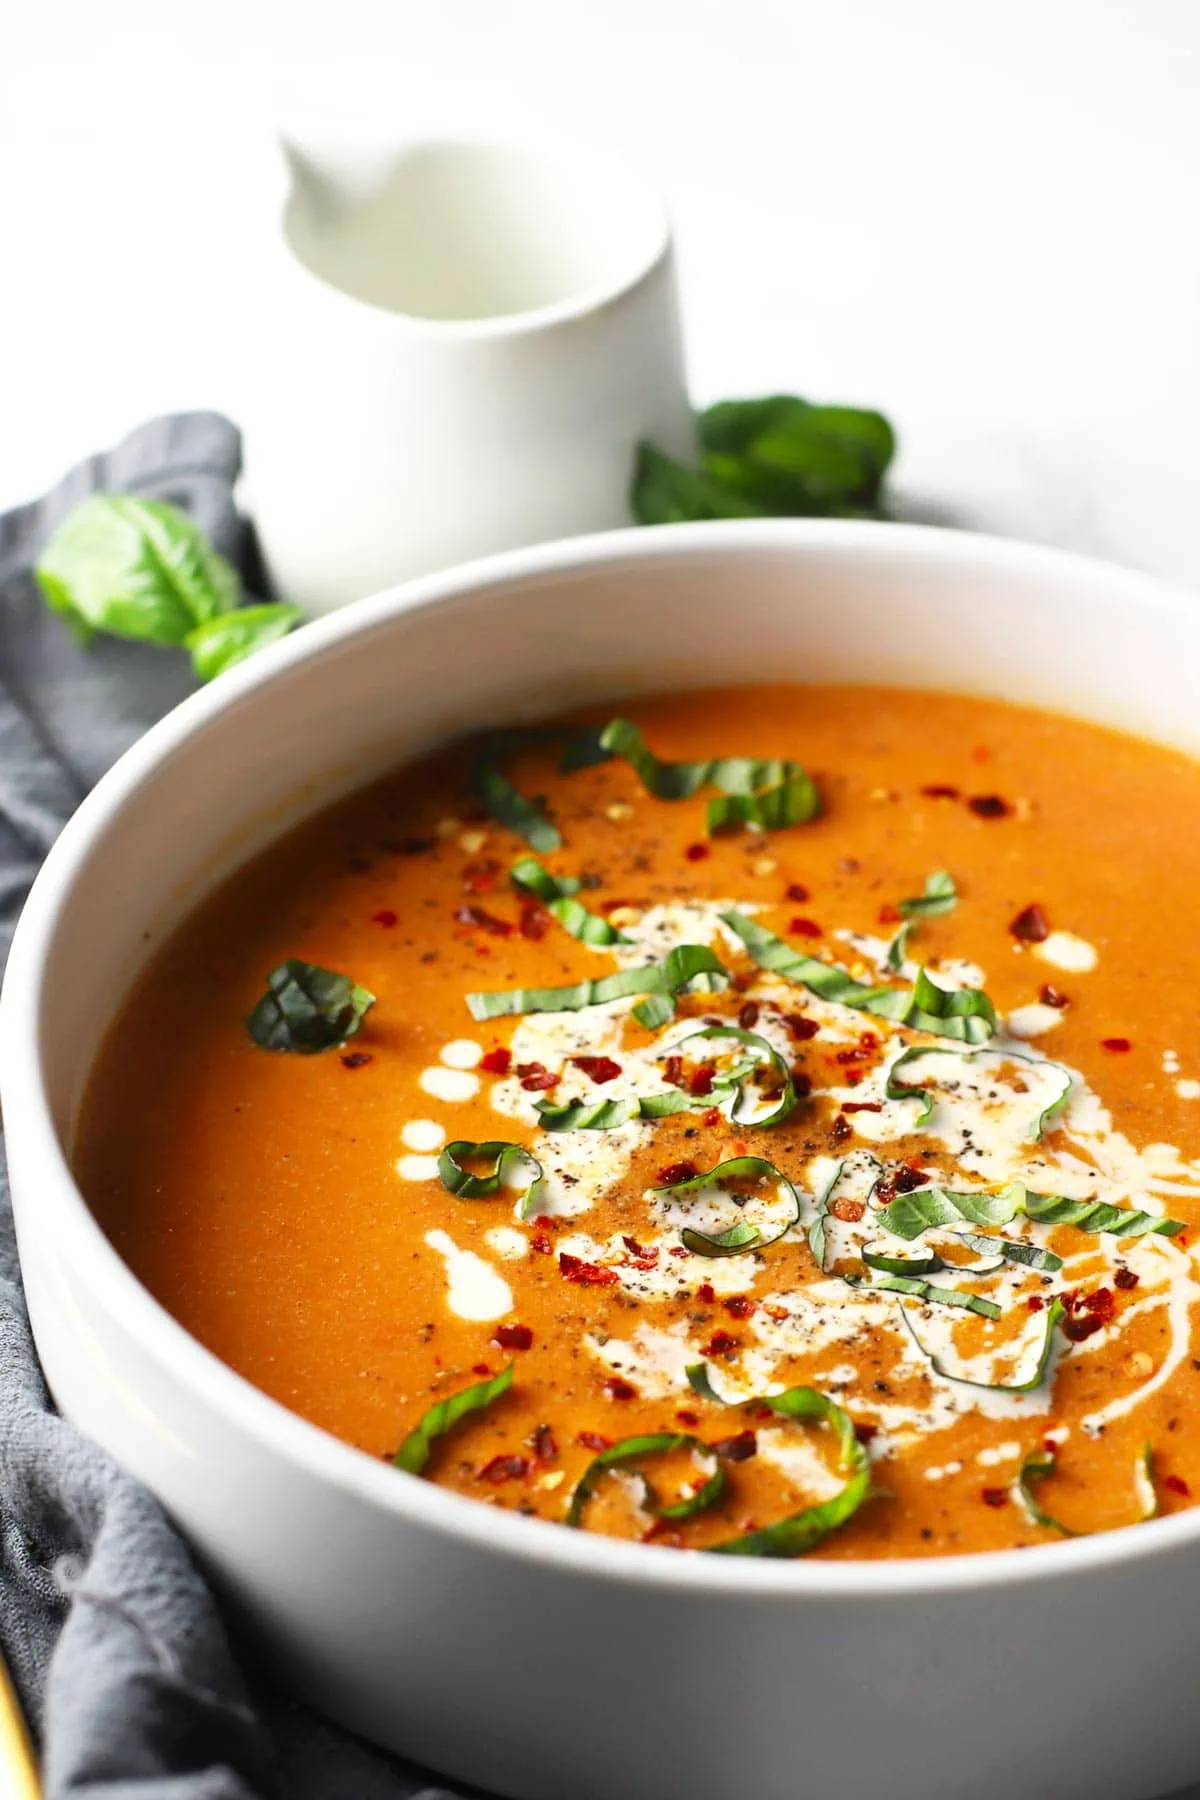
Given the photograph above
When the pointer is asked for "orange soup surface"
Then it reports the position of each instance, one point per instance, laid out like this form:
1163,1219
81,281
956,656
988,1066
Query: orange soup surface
841,1201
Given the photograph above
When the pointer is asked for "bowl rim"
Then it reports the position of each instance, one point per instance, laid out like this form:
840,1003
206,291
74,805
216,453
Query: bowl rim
65,1215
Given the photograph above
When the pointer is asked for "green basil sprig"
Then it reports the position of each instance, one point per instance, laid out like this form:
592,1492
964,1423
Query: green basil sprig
904,1090
800,1531
1055,1312
442,1417
308,1009
741,1237
767,792
966,1013
142,570
940,896
908,1215
637,1450
1041,1464
913,1288
557,894
684,965
506,1159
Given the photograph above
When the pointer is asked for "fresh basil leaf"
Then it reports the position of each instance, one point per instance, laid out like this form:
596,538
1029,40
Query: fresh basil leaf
910,1214
966,1014
558,897
940,896
903,1090
684,965
665,492
1054,1314
1042,1463
135,568
636,1450
785,456
741,1237
586,1115
927,1292
308,1009
763,791
506,1159
231,637
417,1447
506,804
655,1011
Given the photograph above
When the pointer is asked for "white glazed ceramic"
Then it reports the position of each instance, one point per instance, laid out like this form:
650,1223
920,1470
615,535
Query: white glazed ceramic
533,1660
456,348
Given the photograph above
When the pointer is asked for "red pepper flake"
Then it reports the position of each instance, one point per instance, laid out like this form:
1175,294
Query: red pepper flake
712,1117
481,877
505,1468
1117,1045
673,1070
598,1068
541,1243
687,1418
1031,925
607,906
1175,1484
801,1028
644,1254
586,1274
748,1015
857,1106
706,1292
497,1061
544,1222
478,920
662,1531
899,1181
801,1084
1035,1303
806,928
721,1343
675,1172
889,914
778,1313
357,1059
1081,1325
512,1337
385,917
1101,1305
697,852
592,1440
797,893
535,1078
864,1432
737,1449
617,1388
535,921
989,806
994,1496
1125,1278
700,1081
543,1443
740,1306
940,790
840,1130
480,1369
847,1210
1052,996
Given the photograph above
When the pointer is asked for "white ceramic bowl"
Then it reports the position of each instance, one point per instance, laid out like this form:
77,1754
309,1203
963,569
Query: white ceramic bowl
533,1660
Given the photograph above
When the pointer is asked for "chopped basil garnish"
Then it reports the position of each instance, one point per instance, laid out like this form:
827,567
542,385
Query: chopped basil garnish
910,1214
904,1090
506,1159
741,1237
800,1531
1054,1313
966,1013
442,1417
684,965
1012,1250
1041,1464
308,1009
927,1292
940,896
557,894
761,1051
767,792
507,805
606,1115
818,1229
923,1263
635,1450
587,1115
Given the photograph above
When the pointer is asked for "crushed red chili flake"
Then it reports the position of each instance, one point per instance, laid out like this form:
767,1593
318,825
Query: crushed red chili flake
385,917
797,893
497,1061
586,1274
661,1531
889,914
478,920
847,1210
899,1181
989,806
673,1070
544,1222
480,1369
541,1243
721,1343
706,1292
700,1081
801,1083
748,1015
1175,1484
940,790
713,1116
864,1432
598,1068
673,1173
1035,1303
1125,1278
778,1313
535,921
481,877
645,1254
543,1443
740,1306
357,1059
856,1106
592,1440
536,1078
678,1250
505,1468
1101,1304
1030,925
617,1388
1052,996
1118,1045
840,1130
737,1449
994,1496
697,852
513,1337
687,1418
806,928
801,1028
1081,1325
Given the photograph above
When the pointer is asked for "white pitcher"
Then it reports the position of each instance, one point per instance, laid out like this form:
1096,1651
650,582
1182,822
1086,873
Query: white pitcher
460,344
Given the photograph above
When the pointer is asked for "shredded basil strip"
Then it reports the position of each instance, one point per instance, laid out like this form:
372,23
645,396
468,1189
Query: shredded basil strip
910,1214
940,896
741,1237
966,1013
606,1115
818,1230
927,1292
678,970
506,1160
1012,1250
308,1009
1041,1464
800,1531
928,1264
1054,1313
904,1090
505,802
417,1447
761,1051
767,792
633,1450
557,896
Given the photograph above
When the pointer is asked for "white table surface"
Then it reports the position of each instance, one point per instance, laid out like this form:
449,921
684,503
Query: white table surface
978,216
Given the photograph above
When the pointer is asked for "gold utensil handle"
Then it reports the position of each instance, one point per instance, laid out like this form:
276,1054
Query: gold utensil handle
18,1770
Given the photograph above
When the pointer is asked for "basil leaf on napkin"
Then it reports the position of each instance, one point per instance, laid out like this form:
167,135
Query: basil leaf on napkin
220,643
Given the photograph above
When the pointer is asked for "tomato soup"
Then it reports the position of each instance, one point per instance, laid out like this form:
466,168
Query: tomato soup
767,1122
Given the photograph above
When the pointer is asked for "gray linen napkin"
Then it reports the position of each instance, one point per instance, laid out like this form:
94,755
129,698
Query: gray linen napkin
115,1643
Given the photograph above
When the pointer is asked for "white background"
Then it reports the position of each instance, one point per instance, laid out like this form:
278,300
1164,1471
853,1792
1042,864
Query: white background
980,215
